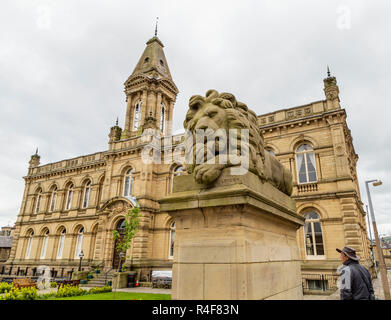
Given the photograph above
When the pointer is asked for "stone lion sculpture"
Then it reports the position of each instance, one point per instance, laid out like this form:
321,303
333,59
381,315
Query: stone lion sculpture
220,112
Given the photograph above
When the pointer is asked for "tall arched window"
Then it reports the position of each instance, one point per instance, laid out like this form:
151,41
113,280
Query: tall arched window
128,183
61,243
53,198
79,242
44,244
162,117
306,168
137,115
29,244
69,198
38,202
313,235
172,239
87,192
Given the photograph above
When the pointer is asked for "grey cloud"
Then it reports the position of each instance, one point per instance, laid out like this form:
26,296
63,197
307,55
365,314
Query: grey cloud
66,57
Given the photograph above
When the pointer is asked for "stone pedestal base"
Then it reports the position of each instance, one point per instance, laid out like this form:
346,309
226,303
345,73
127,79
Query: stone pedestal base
236,240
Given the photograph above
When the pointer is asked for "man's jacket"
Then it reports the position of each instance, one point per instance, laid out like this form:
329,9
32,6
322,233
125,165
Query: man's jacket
356,281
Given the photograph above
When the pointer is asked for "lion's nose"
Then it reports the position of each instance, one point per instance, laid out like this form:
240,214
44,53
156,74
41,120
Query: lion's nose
202,125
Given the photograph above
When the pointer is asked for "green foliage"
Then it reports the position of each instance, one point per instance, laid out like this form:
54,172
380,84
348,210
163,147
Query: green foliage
132,220
100,290
69,291
53,284
4,286
20,294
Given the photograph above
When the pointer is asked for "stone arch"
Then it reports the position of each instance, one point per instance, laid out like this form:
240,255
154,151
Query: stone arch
77,227
53,185
43,230
29,231
302,139
116,205
85,179
125,167
59,229
272,147
307,207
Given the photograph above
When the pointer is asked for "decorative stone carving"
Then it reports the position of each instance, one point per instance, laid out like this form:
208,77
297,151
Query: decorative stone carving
118,207
221,111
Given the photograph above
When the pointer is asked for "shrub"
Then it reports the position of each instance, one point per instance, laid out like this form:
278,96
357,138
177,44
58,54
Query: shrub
5,286
53,284
70,291
100,290
21,294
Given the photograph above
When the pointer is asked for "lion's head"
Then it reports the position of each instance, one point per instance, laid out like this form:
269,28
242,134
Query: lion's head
217,112
214,116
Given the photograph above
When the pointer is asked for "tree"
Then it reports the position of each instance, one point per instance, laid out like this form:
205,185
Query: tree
124,240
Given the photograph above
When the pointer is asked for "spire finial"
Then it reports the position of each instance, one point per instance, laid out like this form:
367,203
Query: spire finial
116,123
157,18
328,71
36,151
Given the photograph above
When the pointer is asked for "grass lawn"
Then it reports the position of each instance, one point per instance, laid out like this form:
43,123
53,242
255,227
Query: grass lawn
119,296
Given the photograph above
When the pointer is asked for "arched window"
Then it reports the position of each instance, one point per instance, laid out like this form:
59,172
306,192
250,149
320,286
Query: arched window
306,168
128,183
38,202
29,244
44,244
270,151
162,117
172,239
53,198
79,242
313,235
87,192
61,243
120,226
137,115
69,198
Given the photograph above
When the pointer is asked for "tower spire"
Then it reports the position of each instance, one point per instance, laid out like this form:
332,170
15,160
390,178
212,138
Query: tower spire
328,71
157,18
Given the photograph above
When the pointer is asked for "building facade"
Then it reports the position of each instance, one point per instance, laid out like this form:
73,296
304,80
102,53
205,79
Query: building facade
75,204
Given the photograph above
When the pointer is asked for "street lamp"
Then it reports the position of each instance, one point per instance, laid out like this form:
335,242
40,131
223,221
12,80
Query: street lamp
121,256
81,255
382,267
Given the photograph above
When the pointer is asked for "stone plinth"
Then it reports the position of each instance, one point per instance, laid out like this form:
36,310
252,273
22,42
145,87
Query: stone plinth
234,240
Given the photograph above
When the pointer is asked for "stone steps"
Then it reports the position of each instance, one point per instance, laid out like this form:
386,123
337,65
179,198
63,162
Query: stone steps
99,280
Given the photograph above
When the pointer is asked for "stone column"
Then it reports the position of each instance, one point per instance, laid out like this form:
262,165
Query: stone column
235,240
144,110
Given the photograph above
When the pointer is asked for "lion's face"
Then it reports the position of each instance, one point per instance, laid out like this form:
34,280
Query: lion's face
206,116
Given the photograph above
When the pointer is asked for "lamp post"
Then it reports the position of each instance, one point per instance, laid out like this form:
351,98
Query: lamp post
81,255
121,256
382,267
370,243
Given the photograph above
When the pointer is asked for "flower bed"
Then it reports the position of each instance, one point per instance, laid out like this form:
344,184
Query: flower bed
12,293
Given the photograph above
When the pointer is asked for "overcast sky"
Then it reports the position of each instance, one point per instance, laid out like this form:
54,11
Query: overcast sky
63,65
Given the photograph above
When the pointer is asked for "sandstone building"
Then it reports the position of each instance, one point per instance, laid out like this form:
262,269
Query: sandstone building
73,205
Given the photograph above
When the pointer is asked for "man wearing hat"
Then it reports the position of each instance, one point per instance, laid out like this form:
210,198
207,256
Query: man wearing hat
356,281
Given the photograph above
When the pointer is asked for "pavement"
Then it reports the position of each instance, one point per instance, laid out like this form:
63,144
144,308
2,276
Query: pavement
377,286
